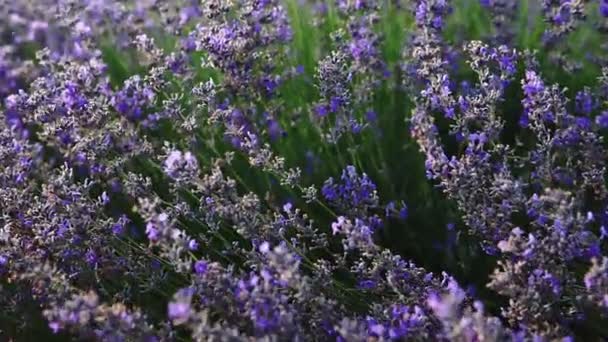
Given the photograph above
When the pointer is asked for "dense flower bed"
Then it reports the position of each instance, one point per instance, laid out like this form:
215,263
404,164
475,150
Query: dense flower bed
284,170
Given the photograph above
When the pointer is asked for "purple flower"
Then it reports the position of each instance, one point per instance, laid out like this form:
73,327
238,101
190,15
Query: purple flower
118,228
604,8
91,257
371,116
336,227
173,161
533,84
200,267
180,308
180,165
352,191
584,102
367,284
596,282
105,199
321,110
602,120
179,311
193,245
3,261
403,213
362,48
133,99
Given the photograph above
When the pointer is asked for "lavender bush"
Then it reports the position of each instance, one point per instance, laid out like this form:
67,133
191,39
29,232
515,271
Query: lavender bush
293,170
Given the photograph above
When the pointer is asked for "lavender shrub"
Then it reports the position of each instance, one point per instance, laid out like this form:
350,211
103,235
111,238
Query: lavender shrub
227,170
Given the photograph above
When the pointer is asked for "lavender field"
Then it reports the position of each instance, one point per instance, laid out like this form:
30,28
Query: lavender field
303,170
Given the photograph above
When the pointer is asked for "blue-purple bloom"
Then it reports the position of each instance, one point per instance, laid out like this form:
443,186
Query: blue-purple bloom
144,154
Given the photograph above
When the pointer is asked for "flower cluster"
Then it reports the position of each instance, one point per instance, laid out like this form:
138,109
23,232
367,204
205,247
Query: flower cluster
283,170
